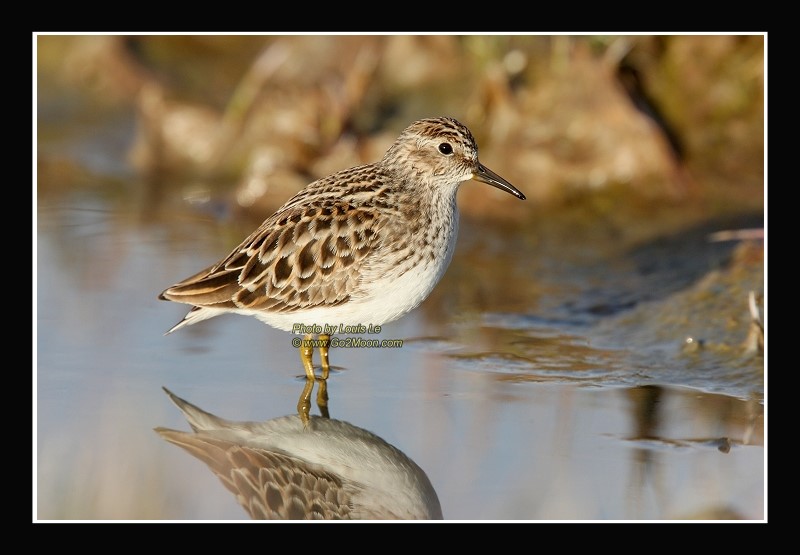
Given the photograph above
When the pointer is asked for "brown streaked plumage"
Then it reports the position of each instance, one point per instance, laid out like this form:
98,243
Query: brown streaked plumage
362,246
284,468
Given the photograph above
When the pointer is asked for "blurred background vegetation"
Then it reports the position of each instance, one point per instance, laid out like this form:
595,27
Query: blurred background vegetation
623,125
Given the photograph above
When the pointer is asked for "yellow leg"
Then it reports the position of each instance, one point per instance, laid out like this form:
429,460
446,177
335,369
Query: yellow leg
304,403
322,397
306,354
324,343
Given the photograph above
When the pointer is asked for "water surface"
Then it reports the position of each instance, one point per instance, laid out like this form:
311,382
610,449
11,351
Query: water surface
512,390
583,365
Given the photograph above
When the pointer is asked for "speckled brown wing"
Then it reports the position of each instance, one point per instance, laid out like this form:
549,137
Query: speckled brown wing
267,484
304,255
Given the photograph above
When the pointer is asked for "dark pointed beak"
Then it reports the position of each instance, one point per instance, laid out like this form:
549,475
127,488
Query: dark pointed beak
485,175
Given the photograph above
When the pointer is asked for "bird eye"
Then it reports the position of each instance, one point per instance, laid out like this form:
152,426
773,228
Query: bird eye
446,149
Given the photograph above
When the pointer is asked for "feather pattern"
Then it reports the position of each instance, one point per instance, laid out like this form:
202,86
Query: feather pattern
346,244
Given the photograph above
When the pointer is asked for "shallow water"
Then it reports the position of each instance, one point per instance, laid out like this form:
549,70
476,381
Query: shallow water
584,366
526,387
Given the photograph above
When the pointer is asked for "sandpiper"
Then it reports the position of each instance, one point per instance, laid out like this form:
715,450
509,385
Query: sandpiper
360,247
287,468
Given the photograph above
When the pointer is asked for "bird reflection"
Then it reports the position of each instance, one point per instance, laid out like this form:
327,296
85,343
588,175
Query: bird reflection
290,468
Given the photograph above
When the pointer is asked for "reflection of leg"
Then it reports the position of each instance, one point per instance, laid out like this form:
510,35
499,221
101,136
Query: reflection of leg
304,402
324,343
322,397
306,354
